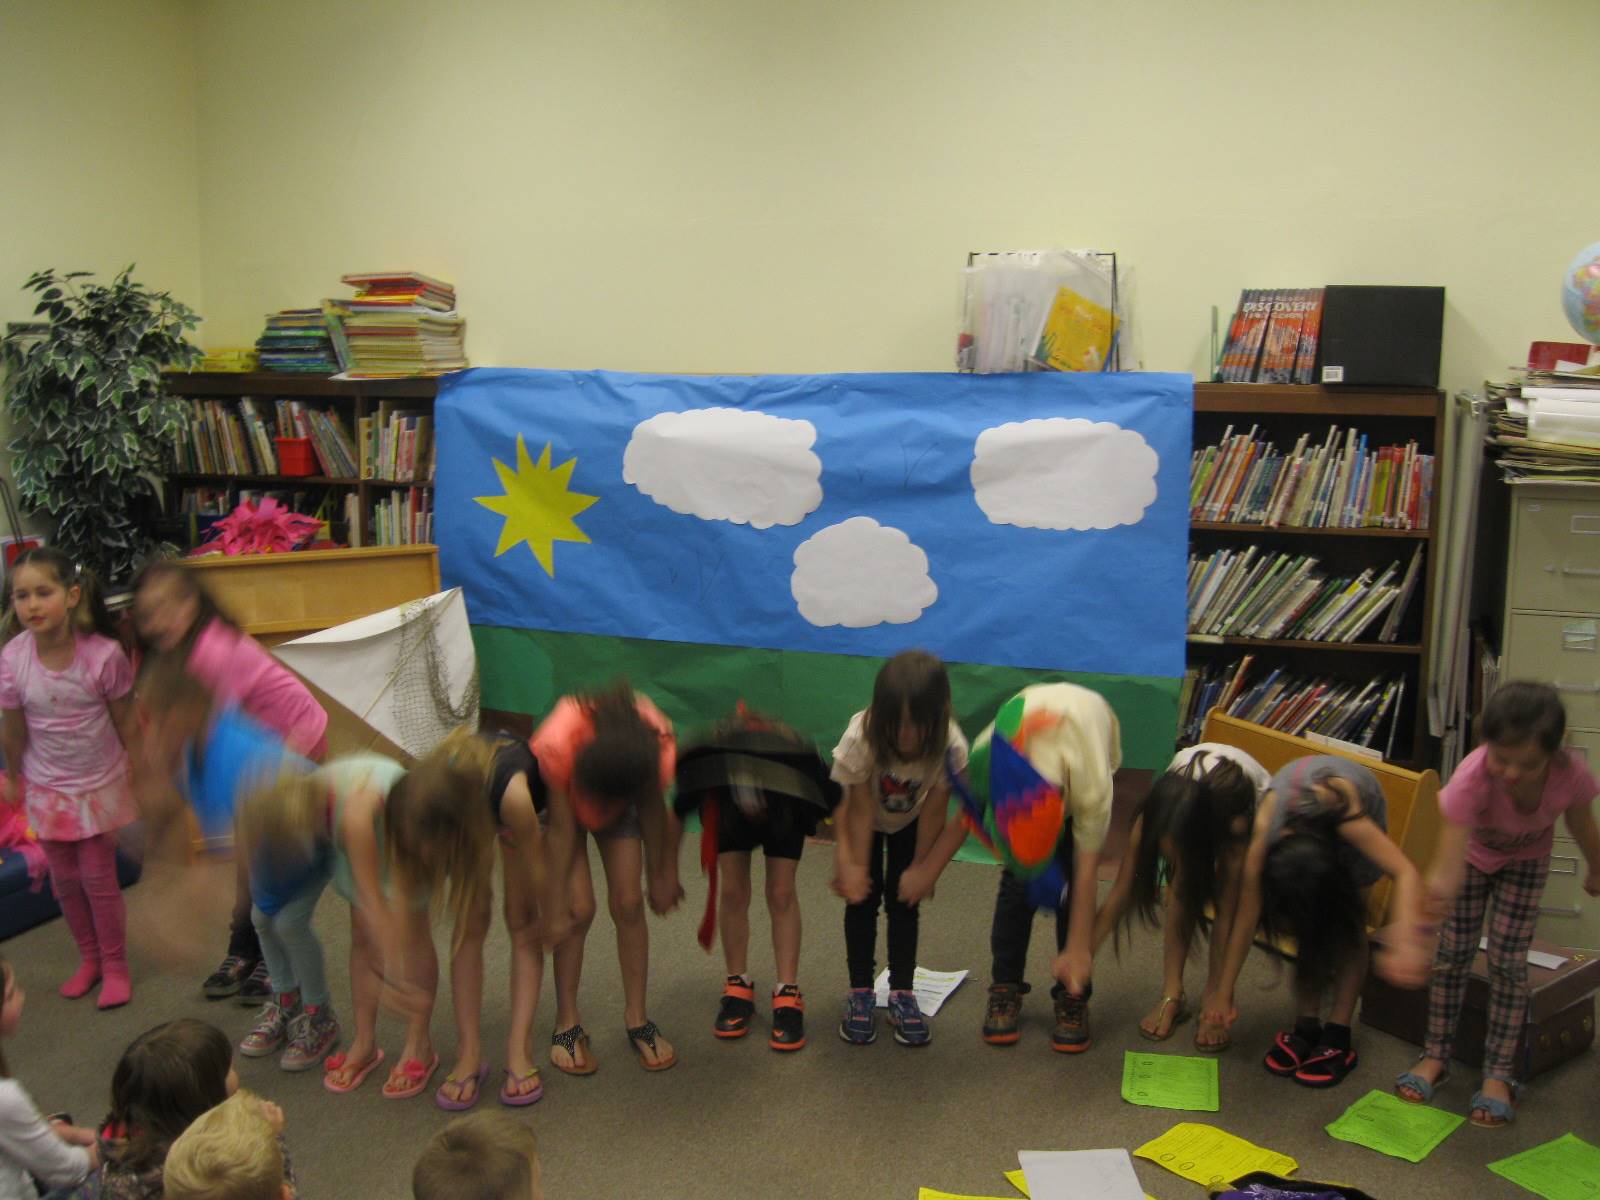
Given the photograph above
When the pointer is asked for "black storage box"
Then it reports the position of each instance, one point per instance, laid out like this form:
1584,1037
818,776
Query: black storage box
1381,336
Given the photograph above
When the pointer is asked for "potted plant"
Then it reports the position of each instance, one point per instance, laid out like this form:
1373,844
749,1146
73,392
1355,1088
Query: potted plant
91,421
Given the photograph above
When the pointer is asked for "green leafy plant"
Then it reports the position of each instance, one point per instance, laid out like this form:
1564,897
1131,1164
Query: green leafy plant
91,420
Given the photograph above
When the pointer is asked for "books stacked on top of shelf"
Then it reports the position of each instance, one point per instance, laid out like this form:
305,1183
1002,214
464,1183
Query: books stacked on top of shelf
231,360
403,518
225,441
1272,337
1340,483
330,440
297,339
1362,713
398,324
396,445
1546,426
1254,594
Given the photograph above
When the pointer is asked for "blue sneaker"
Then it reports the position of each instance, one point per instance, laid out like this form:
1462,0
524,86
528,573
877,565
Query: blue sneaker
910,1026
860,1024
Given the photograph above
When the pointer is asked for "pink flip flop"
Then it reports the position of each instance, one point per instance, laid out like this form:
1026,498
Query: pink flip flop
455,1104
337,1062
417,1075
520,1099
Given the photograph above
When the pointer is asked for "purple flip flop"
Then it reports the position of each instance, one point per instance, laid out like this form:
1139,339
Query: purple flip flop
451,1105
514,1100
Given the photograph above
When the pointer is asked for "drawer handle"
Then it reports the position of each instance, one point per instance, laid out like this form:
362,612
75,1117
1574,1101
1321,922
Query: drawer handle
1563,911
1582,689
1587,572
1564,858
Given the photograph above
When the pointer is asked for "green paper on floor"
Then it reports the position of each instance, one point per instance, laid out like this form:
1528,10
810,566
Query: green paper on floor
1170,1081
1565,1169
1385,1123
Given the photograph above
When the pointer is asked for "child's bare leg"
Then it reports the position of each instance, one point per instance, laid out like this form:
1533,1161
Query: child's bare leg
784,908
733,912
527,973
422,972
364,988
568,956
1347,988
1175,933
623,859
466,995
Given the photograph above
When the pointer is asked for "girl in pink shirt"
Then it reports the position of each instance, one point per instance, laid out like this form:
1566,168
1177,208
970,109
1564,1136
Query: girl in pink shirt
174,614
1500,810
64,689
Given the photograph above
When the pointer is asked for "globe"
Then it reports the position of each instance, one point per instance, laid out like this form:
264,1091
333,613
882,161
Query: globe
1580,292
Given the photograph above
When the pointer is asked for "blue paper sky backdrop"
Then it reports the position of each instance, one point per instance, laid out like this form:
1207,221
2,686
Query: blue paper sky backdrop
896,449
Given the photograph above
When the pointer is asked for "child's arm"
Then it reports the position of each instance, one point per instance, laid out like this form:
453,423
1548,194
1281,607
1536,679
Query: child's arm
527,838
126,719
1227,910
852,839
1449,867
560,842
661,875
1405,954
917,880
1074,965
371,908
1246,917
14,742
1121,892
1581,825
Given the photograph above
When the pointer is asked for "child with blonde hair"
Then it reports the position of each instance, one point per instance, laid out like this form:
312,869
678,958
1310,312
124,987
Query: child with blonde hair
487,1156
231,1152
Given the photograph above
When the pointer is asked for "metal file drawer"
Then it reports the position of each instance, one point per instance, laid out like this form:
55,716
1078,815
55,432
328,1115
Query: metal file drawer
1569,916
1585,743
1564,652
1556,555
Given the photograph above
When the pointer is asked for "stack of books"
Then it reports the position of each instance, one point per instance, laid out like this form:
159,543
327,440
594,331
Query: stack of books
297,339
1255,594
231,360
1273,337
398,324
1545,426
1339,484
1365,713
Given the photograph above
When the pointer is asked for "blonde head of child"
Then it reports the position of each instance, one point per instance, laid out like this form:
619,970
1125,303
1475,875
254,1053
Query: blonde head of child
485,1156
230,1152
909,717
285,820
47,595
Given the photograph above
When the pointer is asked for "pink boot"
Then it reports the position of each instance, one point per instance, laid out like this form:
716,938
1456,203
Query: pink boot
117,989
67,884
87,975
98,864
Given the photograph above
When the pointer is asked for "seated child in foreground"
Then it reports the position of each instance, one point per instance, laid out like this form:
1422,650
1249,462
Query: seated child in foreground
231,1152
486,1156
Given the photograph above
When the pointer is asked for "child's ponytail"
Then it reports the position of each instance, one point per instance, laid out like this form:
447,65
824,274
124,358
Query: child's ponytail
1309,895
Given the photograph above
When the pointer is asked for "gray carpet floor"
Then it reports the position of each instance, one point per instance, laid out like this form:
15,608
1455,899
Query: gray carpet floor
735,1121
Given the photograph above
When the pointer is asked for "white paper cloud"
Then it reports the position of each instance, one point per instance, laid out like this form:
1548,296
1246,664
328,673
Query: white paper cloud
859,573
1063,473
727,464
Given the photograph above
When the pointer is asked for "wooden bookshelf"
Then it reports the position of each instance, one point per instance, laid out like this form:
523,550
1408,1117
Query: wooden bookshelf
1388,416
352,399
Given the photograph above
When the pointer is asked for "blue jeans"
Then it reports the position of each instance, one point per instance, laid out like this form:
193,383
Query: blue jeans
289,946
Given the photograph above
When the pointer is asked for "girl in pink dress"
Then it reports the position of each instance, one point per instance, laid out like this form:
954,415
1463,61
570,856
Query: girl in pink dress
65,688
174,614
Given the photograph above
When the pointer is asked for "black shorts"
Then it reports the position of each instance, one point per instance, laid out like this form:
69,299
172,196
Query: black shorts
513,757
781,834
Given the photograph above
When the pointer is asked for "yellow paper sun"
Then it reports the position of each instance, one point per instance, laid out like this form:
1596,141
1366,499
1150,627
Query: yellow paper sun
537,507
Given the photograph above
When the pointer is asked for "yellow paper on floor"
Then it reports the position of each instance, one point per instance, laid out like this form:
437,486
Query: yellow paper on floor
1211,1156
933,1194
1020,1181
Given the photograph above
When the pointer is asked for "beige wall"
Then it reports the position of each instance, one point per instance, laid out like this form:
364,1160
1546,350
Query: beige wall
741,186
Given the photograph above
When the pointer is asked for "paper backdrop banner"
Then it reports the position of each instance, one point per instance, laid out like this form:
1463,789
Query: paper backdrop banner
410,672
1034,521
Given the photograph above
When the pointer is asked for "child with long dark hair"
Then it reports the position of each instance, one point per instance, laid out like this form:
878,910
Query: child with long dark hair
893,762
1184,854
1500,809
68,734
1318,844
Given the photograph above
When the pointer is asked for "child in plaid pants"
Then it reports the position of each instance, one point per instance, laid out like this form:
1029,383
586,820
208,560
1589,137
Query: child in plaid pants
1500,809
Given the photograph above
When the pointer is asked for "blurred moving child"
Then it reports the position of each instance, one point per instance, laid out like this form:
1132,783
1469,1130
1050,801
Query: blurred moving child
174,614
1185,853
234,1151
1500,810
473,792
69,725
893,762
1318,844
1041,784
609,758
58,1154
487,1156
755,782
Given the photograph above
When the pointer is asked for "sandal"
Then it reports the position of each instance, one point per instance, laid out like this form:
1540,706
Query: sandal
1219,1030
1178,1018
645,1035
415,1073
335,1063
576,1043
511,1094
1326,1067
455,1103
1288,1054
1419,1085
1499,1112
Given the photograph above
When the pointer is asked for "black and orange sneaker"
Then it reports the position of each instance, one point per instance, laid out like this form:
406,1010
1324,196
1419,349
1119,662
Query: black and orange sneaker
1071,1034
788,1019
738,1006
1004,1011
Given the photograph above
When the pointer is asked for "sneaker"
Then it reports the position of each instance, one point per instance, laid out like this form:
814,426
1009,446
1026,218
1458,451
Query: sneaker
860,1024
738,1006
1071,1035
312,1033
271,1028
228,978
788,1019
257,987
1004,1011
910,1026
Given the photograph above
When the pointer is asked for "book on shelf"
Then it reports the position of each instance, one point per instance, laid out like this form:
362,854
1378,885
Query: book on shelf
1272,337
1343,482
1361,712
403,518
1253,593
396,445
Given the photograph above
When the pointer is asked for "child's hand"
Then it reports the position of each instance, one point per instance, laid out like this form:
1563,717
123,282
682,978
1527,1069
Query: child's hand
1404,956
666,893
555,930
73,1135
1591,883
1072,969
852,882
916,885
274,1116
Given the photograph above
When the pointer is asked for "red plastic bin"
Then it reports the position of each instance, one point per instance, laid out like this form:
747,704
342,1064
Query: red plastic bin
295,456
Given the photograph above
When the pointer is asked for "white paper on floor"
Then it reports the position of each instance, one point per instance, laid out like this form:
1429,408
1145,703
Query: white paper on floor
933,988
1080,1175
1538,958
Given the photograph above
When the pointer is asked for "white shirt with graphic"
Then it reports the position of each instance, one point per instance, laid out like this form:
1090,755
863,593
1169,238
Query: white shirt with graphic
900,788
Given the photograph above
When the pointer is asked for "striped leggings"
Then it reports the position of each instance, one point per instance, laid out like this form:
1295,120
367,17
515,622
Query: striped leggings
1516,889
